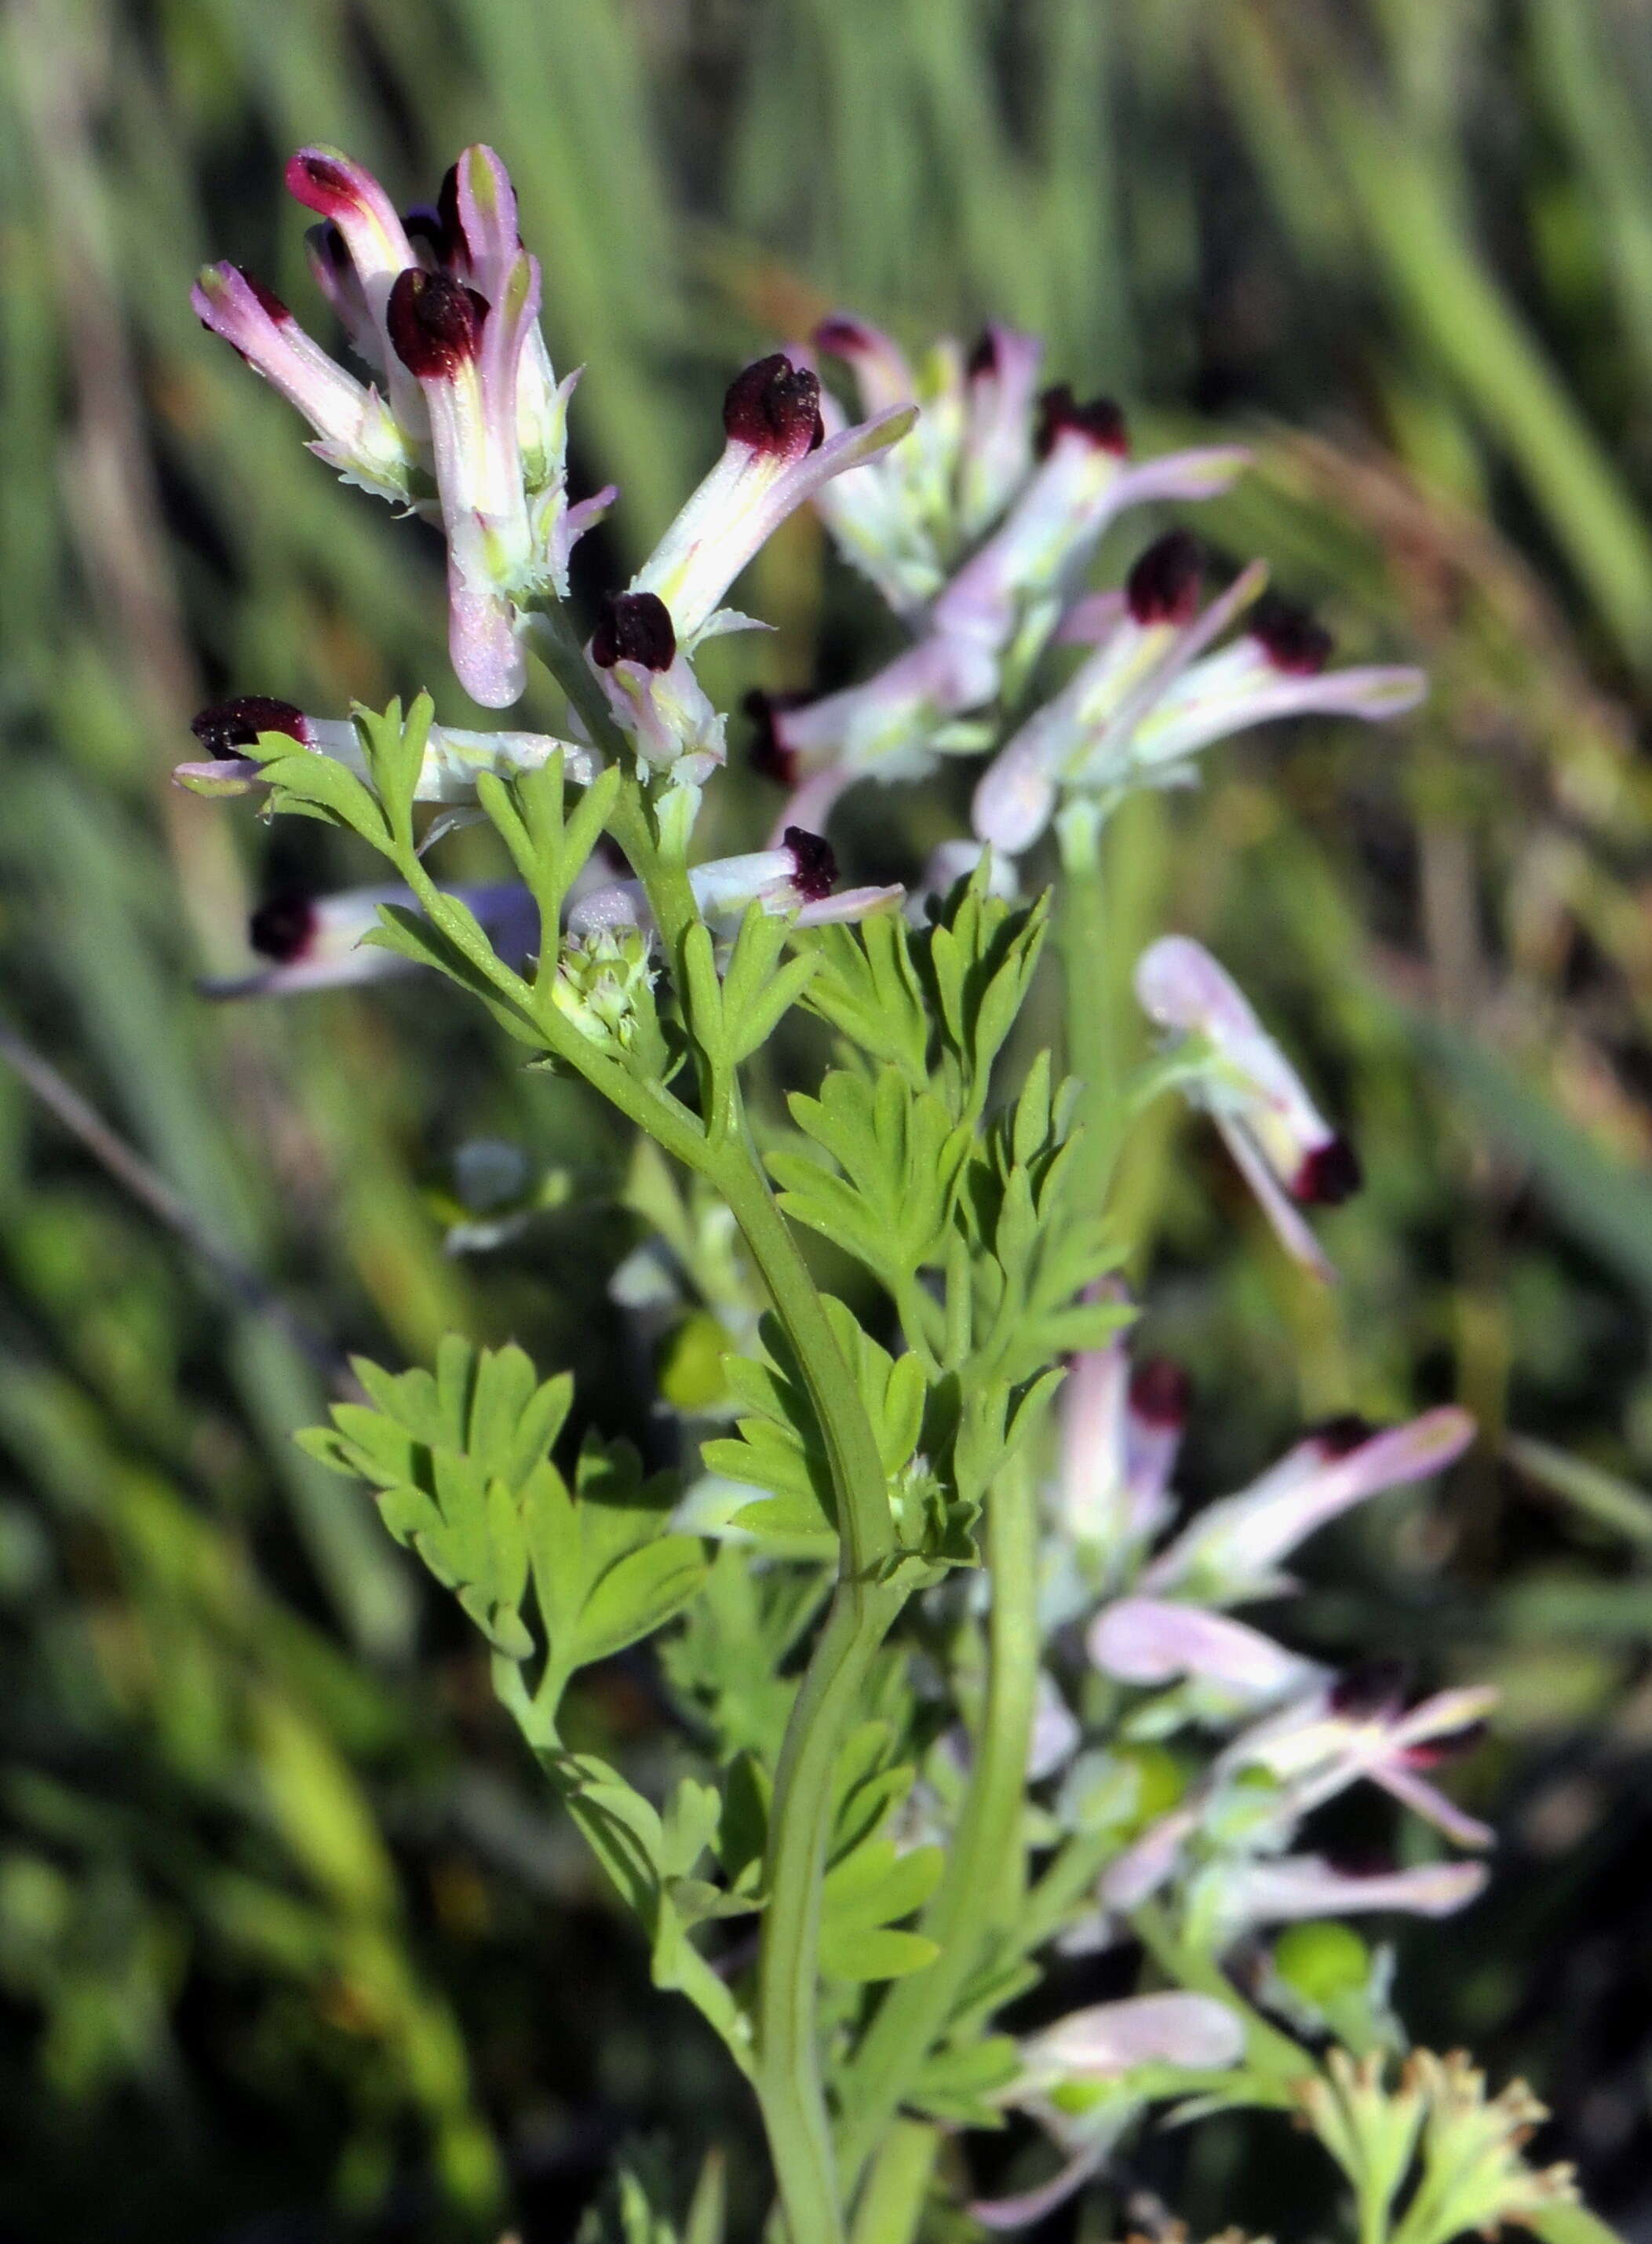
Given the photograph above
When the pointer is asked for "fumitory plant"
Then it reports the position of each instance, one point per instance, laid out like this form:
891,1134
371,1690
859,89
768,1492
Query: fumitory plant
958,1686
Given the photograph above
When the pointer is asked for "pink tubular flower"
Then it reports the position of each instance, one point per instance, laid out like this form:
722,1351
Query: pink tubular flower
1173,2031
1231,1550
354,430
775,456
1141,638
897,523
1197,2033
798,878
454,759
1281,1889
350,199
1149,1640
892,726
1120,1432
1359,1726
479,237
465,355
1150,698
335,276
1313,1748
651,689
1276,668
1024,572
882,374
317,942
996,455
1286,1152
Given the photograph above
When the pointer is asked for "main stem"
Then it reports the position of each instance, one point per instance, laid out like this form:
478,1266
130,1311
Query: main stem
790,2086
893,2201
915,2011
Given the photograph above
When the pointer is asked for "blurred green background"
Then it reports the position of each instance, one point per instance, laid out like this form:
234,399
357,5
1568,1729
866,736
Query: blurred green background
290,1945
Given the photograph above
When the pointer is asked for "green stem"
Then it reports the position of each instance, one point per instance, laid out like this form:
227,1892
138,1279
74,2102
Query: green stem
893,2201
557,644
915,2011
790,2090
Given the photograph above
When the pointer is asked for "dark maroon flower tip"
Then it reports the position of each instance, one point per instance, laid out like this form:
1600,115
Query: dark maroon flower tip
1341,1435
983,356
769,753
321,183
435,323
228,725
448,212
814,863
775,407
635,627
331,247
1328,1176
1369,1688
1161,1393
425,229
1361,1862
269,302
1099,420
1163,586
1451,1745
283,927
839,337
1292,640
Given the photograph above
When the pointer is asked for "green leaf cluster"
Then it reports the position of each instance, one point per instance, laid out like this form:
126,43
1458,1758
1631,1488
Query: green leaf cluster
778,1445
460,1462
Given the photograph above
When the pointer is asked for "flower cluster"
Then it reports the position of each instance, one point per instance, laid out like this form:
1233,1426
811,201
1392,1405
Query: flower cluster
1155,1621
977,505
979,531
